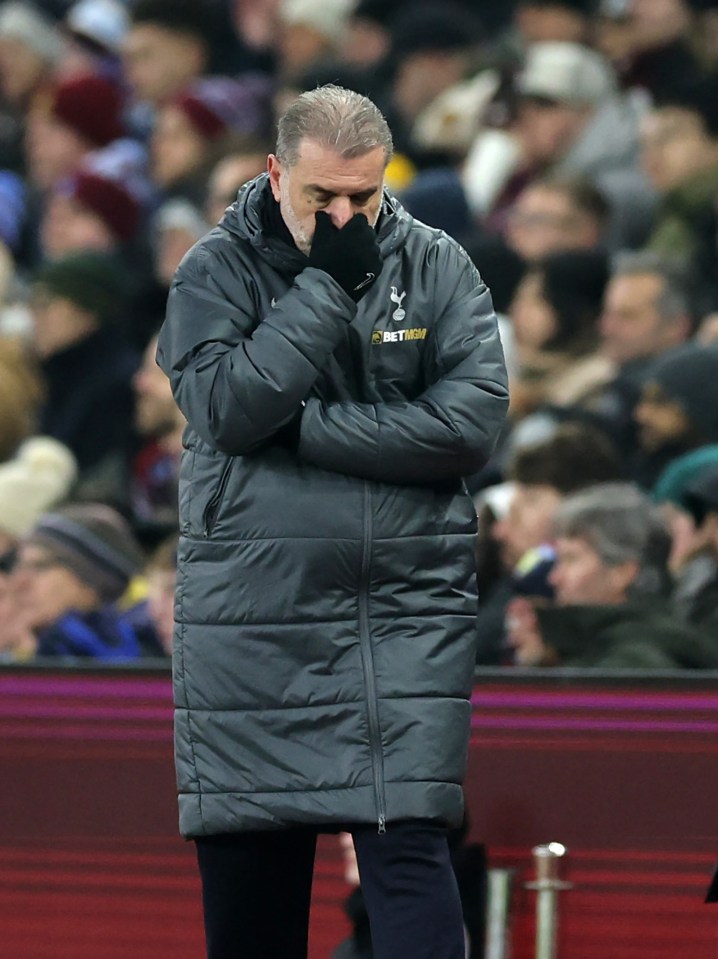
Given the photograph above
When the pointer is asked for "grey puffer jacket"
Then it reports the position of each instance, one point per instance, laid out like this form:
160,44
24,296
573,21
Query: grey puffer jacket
326,589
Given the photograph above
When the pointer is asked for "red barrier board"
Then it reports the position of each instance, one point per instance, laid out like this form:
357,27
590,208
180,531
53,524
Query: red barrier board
622,770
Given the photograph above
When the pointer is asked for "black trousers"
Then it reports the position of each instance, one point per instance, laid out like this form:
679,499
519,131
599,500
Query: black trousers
256,889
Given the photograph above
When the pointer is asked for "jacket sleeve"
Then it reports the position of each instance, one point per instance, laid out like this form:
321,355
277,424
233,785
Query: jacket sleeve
450,430
238,377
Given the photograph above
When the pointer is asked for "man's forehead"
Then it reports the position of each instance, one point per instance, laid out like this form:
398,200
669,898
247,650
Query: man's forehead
322,159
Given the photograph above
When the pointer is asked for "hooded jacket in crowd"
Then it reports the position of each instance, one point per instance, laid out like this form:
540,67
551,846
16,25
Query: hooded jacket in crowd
326,601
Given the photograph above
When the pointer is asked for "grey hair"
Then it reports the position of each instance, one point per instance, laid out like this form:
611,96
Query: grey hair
622,525
347,122
675,299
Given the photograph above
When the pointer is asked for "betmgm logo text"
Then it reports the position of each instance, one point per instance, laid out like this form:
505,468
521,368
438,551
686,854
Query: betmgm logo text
398,336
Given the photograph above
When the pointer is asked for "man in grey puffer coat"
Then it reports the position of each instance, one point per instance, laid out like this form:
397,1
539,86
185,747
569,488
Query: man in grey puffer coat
340,370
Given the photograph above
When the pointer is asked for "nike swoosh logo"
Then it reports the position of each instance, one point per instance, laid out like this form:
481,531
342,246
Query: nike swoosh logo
369,278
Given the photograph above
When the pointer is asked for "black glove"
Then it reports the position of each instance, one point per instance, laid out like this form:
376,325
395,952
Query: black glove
350,255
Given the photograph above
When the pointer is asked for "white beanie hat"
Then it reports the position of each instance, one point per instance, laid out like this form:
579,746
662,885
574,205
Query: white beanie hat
328,19
39,475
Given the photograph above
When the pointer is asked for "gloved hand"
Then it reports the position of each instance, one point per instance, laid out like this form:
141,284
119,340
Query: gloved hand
350,255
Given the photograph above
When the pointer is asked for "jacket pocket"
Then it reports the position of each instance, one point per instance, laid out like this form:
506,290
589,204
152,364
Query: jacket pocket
211,510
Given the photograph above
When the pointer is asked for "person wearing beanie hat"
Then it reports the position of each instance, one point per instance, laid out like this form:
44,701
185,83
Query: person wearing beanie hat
91,212
695,593
433,47
78,115
77,308
678,408
206,121
71,568
39,475
309,31
100,24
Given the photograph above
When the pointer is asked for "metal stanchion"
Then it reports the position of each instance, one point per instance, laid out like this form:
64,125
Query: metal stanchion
498,909
547,884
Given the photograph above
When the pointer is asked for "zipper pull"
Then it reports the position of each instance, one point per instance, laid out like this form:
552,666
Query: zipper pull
382,825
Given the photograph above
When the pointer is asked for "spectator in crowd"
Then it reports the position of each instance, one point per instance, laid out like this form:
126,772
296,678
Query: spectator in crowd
669,492
94,32
204,122
608,577
697,601
647,310
171,44
21,395
89,211
227,176
557,213
692,562
85,363
677,410
554,318
680,156
649,42
310,32
177,226
542,474
71,569
543,21
161,574
30,49
80,114
433,46
155,469
570,120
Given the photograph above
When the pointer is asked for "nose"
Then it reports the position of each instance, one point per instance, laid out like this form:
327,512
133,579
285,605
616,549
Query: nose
340,210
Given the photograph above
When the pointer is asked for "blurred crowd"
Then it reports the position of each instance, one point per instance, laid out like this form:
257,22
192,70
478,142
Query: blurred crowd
571,146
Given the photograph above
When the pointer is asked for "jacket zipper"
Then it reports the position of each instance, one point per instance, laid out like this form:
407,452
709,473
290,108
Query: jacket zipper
367,656
212,508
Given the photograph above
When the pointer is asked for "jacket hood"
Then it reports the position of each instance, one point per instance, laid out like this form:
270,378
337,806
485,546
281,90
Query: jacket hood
244,219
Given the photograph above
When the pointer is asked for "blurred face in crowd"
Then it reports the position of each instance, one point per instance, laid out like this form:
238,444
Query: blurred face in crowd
21,70
365,42
68,226
57,322
528,522
580,576
227,177
161,585
661,421
322,180
159,62
545,220
156,412
422,76
45,590
644,25
548,129
631,324
532,317
686,539
542,22
299,45
52,149
675,146
176,149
